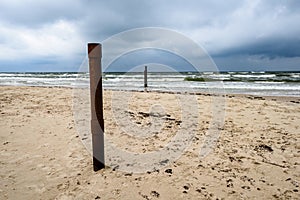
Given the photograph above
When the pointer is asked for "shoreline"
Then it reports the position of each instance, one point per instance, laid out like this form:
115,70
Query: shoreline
292,99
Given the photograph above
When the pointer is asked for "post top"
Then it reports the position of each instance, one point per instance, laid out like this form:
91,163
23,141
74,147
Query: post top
94,49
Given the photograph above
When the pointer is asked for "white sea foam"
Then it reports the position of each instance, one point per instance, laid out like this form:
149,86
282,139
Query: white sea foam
283,84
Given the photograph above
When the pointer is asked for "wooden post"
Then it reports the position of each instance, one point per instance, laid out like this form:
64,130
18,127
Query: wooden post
145,77
97,121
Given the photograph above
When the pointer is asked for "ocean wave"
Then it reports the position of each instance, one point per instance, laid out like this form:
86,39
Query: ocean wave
284,83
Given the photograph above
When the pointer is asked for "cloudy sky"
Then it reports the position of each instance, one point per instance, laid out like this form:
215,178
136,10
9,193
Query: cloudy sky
252,35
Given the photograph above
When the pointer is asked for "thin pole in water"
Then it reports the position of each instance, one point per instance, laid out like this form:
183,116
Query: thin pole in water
97,120
145,77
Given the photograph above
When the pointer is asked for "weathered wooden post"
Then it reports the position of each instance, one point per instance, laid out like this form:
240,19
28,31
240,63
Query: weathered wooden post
145,77
97,121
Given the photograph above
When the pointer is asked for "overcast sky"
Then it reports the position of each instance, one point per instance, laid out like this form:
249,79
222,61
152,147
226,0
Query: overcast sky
246,35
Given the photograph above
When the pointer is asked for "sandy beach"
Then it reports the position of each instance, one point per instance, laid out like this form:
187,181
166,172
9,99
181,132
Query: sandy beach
257,154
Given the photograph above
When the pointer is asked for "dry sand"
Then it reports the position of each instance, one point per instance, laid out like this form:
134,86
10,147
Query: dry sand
42,156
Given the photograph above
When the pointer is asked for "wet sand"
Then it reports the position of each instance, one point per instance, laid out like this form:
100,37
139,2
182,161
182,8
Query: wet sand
257,154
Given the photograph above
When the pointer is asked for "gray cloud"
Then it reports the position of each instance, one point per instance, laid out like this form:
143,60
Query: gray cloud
263,29
113,17
271,48
33,13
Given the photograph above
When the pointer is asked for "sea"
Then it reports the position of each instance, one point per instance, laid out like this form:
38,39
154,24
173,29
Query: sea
253,83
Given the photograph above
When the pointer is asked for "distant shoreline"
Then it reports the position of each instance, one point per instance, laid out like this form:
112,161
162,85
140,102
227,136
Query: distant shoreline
292,99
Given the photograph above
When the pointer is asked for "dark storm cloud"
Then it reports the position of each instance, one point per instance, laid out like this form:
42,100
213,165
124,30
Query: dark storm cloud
263,29
112,17
251,27
270,48
31,13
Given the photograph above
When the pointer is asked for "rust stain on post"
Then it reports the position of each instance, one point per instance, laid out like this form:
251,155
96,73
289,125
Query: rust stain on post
97,120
